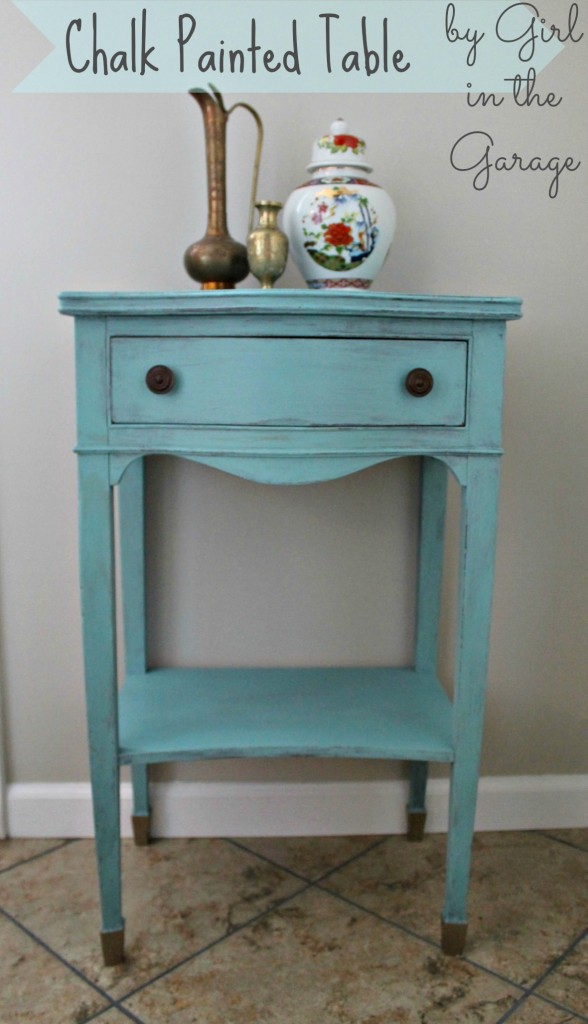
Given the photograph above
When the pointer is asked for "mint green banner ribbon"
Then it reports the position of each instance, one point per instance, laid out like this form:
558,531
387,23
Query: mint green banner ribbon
284,46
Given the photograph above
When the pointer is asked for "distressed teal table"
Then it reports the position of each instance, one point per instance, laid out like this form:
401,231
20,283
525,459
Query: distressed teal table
287,387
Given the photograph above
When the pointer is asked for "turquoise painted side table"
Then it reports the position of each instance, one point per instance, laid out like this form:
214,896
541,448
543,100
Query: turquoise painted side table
287,387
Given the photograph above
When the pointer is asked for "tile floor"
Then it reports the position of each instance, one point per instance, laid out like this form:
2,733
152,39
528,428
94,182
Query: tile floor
299,931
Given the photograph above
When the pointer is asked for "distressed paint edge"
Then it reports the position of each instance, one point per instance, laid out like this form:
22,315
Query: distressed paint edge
212,809
289,301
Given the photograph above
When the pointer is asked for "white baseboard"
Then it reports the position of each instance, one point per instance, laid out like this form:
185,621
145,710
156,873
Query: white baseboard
50,810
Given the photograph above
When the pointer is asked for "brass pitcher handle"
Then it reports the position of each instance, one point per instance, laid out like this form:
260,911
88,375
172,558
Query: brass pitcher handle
257,160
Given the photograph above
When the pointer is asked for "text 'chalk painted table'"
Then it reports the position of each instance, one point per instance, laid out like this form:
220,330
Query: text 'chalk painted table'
287,387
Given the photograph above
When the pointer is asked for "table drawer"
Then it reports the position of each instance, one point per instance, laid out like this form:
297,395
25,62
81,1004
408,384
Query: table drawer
287,381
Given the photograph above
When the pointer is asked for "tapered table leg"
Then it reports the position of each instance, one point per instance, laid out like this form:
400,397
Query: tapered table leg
416,809
430,572
131,509
98,615
141,819
477,543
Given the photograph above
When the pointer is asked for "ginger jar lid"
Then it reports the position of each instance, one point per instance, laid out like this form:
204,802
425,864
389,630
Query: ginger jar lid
339,148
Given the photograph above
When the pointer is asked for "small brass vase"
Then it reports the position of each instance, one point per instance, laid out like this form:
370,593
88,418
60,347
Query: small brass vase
267,245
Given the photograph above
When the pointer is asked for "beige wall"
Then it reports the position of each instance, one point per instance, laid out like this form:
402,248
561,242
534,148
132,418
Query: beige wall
105,193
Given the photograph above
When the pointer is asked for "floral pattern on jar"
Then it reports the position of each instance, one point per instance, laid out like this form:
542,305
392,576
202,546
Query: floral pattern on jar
341,143
339,228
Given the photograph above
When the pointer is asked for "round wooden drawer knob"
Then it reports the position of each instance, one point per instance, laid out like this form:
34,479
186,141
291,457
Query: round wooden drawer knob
160,379
419,383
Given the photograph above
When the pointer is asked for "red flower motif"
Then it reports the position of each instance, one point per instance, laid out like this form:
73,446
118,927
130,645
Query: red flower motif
346,140
338,234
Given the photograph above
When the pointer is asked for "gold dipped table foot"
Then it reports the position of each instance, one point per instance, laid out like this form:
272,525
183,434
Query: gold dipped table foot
113,947
416,826
453,938
141,829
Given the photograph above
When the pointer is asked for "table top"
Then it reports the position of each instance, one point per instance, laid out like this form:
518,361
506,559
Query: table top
289,300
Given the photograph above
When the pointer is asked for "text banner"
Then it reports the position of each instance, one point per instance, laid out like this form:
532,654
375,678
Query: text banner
286,46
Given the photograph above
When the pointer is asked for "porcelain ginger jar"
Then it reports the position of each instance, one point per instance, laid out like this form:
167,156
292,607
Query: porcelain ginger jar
339,224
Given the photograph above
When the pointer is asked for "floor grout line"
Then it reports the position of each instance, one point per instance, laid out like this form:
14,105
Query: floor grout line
118,1003
61,844
532,993
351,860
559,960
121,1009
113,1002
513,1009
215,942
275,864
559,839
318,884
379,917
575,1014
311,881
308,885
524,989
57,956
398,926
520,1004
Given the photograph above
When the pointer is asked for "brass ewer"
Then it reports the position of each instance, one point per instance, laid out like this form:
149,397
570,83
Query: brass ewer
217,260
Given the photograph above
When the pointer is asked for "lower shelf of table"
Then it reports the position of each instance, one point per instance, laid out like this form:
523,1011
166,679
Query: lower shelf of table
190,714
